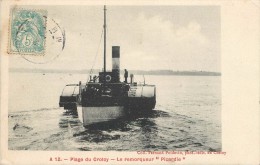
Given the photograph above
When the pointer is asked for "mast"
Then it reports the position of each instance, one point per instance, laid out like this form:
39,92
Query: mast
105,40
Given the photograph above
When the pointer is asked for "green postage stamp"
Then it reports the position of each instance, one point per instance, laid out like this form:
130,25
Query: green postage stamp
27,31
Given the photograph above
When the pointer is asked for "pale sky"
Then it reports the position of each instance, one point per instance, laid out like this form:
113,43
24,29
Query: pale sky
150,37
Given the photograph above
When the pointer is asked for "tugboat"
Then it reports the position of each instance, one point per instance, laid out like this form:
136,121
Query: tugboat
105,97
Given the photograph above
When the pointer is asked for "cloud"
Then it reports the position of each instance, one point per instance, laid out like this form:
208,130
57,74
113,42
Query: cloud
147,41
160,44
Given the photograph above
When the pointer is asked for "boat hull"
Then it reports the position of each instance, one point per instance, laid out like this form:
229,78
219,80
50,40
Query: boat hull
92,115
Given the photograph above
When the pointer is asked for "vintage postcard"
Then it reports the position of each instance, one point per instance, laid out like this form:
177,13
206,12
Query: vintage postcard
131,82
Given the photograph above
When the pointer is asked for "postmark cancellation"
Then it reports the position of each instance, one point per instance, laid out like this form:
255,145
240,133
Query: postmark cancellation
27,31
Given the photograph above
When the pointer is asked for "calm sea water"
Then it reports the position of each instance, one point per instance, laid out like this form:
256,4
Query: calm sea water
187,116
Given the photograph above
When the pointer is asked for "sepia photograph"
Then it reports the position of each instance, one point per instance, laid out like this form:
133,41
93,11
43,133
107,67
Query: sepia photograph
120,78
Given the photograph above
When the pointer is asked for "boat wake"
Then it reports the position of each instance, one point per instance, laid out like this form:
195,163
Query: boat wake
56,129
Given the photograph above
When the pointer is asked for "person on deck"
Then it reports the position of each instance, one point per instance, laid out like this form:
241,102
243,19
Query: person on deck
126,75
94,78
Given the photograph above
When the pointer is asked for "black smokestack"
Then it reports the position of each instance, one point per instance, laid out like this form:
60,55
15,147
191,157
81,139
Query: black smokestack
116,63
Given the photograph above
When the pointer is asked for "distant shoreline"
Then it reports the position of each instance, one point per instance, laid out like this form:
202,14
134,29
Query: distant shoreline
135,72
